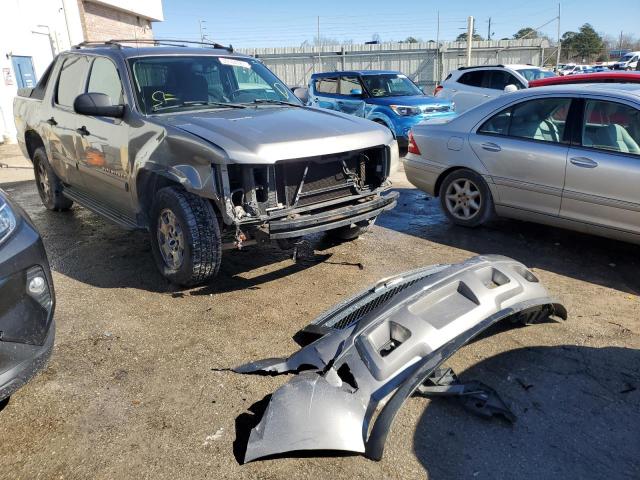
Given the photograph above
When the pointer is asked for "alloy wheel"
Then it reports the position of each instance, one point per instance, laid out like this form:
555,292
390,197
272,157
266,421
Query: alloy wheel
170,239
43,183
463,199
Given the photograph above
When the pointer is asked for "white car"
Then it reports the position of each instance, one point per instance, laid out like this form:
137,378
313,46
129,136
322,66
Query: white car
471,86
574,69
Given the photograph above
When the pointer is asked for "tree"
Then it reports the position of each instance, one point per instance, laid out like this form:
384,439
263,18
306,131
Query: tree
463,37
526,32
583,45
411,40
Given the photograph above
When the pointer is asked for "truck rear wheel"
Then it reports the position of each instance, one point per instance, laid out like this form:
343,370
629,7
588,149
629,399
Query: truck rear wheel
48,183
350,232
185,237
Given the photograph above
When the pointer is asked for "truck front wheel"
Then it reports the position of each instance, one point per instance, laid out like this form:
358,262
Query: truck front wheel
185,237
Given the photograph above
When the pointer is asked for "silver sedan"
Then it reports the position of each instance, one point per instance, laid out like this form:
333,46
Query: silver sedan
566,156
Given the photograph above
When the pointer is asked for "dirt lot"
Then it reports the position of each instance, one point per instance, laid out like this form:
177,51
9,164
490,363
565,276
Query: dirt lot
132,389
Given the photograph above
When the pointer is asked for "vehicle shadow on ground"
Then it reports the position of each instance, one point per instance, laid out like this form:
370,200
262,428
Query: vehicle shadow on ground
593,259
577,410
85,247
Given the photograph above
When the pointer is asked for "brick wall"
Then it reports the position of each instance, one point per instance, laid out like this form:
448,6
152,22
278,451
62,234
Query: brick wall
100,22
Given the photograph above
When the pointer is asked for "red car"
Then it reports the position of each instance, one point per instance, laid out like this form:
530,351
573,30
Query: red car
599,77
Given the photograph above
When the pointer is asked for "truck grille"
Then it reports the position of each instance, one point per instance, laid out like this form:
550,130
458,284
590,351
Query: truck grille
319,179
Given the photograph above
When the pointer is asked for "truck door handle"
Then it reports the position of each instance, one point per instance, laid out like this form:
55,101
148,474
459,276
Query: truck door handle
83,131
52,122
491,147
583,162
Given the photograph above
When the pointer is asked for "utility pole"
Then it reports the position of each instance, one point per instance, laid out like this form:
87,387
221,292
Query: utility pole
559,43
489,30
438,78
469,39
202,29
319,45
620,46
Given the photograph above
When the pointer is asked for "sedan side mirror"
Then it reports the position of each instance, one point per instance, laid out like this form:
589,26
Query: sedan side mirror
97,105
356,92
510,88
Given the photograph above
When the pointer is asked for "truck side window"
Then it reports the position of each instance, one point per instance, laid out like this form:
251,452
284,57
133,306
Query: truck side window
104,78
41,87
71,80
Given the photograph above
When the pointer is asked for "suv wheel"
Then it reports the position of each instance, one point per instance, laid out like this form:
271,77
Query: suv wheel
465,198
185,237
348,232
48,183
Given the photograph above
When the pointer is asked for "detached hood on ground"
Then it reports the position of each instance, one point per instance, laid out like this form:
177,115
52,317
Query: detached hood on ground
266,134
380,346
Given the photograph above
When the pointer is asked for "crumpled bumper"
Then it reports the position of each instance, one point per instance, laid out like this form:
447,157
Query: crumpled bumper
375,349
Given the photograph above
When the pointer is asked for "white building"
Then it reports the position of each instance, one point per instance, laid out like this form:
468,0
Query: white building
32,32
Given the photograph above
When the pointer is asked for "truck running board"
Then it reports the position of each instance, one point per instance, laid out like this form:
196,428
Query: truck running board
95,206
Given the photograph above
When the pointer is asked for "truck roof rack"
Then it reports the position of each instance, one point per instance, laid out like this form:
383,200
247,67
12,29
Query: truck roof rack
480,66
118,43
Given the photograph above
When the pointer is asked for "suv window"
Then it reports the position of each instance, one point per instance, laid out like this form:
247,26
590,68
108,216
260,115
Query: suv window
611,126
498,79
473,79
327,85
104,78
540,119
349,83
71,79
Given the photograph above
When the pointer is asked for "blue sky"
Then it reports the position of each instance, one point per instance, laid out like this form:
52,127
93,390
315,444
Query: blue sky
271,23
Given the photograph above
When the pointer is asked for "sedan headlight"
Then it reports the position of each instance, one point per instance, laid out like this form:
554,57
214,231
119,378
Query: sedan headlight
7,220
406,111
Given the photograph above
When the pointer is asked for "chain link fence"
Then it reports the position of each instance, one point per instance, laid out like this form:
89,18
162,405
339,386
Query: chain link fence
425,63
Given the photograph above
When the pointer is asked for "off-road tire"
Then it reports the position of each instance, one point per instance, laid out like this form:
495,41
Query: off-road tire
202,240
48,184
484,213
348,232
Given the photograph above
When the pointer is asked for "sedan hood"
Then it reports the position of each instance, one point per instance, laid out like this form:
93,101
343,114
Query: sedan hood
267,134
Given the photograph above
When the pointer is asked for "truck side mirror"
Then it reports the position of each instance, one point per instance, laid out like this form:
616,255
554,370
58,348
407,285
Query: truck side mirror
97,105
356,92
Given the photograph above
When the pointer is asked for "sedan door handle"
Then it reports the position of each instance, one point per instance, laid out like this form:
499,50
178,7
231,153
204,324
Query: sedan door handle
83,131
491,147
583,162
52,122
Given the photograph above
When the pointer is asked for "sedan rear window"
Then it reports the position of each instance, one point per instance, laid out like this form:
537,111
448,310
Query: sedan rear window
611,126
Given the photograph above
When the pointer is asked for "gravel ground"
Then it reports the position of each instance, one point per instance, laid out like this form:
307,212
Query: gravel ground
133,388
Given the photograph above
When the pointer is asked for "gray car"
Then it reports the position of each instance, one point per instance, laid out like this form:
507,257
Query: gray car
204,148
567,156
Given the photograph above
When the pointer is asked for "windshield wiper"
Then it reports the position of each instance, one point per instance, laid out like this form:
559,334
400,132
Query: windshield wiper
267,101
199,102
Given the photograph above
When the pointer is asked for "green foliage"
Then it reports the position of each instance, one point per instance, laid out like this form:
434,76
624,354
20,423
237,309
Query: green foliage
585,44
526,32
463,37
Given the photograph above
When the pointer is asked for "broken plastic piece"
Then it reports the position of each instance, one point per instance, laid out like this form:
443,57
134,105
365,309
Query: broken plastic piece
373,351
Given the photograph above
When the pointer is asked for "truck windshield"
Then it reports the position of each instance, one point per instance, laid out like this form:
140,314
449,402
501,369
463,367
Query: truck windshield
176,83
390,85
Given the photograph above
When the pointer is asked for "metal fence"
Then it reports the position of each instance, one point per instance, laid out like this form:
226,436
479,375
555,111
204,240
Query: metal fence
424,63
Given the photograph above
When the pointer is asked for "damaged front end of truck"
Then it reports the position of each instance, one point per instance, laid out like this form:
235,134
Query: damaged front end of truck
369,354
293,198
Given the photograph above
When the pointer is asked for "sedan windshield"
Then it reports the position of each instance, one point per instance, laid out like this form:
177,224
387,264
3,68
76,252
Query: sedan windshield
195,82
535,73
390,85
